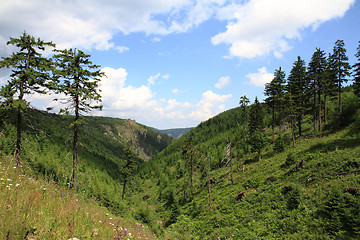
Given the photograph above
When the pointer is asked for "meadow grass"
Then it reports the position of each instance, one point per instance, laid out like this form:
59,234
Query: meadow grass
35,208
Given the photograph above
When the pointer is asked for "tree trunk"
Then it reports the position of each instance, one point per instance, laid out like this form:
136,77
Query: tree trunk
18,137
314,107
273,123
123,192
293,130
340,101
191,171
208,179
299,122
319,109
230,159
325,109
75,143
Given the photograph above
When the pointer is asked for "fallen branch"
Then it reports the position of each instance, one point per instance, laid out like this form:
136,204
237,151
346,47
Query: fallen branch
344,173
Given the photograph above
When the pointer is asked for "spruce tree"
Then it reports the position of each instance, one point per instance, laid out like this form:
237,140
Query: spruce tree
297,84
341,68
316,74
244,102
30,74
275,92
356,74
256,117
128,168
78,78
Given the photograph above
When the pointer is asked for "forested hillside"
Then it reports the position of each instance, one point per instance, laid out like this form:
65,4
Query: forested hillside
104,145
284,168
211,184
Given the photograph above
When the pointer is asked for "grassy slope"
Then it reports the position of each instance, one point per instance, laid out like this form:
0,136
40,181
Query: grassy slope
318,200
47,147
31,207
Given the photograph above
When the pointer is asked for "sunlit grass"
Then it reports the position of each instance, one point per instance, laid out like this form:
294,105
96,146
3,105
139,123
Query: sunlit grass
33,207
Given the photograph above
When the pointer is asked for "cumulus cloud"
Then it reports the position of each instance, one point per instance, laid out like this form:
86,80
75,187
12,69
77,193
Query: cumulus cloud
260,78
261,27
254,27
223,82
209,105
140,103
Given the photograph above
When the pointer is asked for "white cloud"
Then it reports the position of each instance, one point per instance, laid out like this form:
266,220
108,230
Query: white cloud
166,76
122,100
208,106
260,78
260,27
175,90
223,82
254,27
151,79
122,49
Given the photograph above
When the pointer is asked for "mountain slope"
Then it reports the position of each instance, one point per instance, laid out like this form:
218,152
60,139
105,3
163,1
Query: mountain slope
47,146
310,191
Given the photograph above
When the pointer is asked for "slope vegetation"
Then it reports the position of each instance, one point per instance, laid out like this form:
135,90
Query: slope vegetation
307,191
47,147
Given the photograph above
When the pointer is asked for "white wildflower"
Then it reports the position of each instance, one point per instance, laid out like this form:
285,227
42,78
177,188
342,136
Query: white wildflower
17,185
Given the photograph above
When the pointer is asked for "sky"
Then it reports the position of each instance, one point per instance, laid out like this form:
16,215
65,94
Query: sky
177,63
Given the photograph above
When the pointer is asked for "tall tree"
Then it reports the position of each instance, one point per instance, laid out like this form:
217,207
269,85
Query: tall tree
78,79
128,168
256,116
275,92
297,85
244,102
356,69
30,74
341,68
316,73
188,153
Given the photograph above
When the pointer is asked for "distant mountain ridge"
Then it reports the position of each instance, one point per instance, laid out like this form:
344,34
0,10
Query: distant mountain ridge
175,132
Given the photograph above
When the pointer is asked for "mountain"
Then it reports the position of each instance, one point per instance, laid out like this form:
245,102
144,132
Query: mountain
310,190
103,142
175,132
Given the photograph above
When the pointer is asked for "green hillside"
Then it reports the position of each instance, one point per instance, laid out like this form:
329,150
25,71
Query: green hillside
306,191
47,147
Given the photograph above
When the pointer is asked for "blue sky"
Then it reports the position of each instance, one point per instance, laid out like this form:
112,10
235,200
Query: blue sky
176,63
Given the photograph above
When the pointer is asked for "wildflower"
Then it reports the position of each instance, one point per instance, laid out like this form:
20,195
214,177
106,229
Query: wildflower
10,184
17,185
110,218
9,179
14,167
1,179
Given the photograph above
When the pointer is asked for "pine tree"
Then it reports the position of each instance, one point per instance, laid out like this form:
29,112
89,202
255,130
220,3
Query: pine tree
30,74
128,168
341,68
188,153
316,74
244,102
78,79
297,84
275,92
256,117
356,74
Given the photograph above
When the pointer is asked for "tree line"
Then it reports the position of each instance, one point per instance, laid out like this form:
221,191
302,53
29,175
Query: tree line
307,89
69,73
